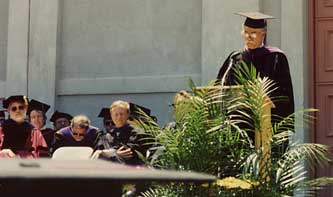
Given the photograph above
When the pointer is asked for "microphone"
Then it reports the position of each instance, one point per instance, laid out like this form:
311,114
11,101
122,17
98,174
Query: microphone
227,71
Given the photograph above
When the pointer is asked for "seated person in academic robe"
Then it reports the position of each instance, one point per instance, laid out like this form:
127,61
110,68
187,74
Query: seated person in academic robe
60,120
37,117
122,141
18,138
180,98
79,133
107,121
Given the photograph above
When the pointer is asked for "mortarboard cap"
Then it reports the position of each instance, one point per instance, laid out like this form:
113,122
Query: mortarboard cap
58,114
36,105
105,113
22,98
255,19
136,110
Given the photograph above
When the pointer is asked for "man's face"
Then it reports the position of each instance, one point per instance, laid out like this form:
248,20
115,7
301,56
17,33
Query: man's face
79,132
61,123
253,37
17,111
37,119
119,116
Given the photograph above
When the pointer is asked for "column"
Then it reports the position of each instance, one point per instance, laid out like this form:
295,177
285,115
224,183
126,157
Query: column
42,50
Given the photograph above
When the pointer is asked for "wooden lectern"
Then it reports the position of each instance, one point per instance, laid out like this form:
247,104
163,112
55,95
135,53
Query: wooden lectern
262,137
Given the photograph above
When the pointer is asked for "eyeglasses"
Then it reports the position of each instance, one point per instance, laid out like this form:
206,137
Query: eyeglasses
79,134
20,107
252,35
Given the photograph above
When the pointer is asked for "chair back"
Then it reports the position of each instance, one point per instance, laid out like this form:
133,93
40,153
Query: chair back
72,153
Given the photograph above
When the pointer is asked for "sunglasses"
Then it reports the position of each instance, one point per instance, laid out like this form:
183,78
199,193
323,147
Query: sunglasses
79,134
20,107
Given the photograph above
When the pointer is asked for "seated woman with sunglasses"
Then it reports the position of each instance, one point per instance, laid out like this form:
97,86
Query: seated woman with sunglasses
79,133
19,138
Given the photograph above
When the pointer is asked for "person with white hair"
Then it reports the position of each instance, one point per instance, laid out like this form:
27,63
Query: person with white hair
121,143
79,133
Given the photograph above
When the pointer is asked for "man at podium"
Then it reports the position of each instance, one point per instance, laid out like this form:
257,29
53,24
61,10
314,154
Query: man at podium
269,61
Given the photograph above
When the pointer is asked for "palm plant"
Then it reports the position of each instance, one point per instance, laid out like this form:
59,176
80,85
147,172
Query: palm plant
205,140
212,136
286,170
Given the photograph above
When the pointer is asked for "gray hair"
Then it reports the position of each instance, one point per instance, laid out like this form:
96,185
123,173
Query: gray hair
80,120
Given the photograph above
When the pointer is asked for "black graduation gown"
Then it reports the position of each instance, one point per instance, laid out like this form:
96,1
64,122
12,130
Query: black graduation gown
16,135
22,138
123,136
48,135
270,62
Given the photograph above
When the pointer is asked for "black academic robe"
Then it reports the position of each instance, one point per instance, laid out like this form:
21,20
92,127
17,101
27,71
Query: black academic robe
270,62
123,136
22,138
48,135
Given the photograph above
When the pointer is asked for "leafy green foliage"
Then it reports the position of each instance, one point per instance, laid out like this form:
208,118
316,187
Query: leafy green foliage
211,135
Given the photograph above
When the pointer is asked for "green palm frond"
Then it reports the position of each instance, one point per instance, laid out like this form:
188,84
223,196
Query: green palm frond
287,172
160,192
245,73
191,84
319,183
256,92
211,135
290,175
299,119
314,154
